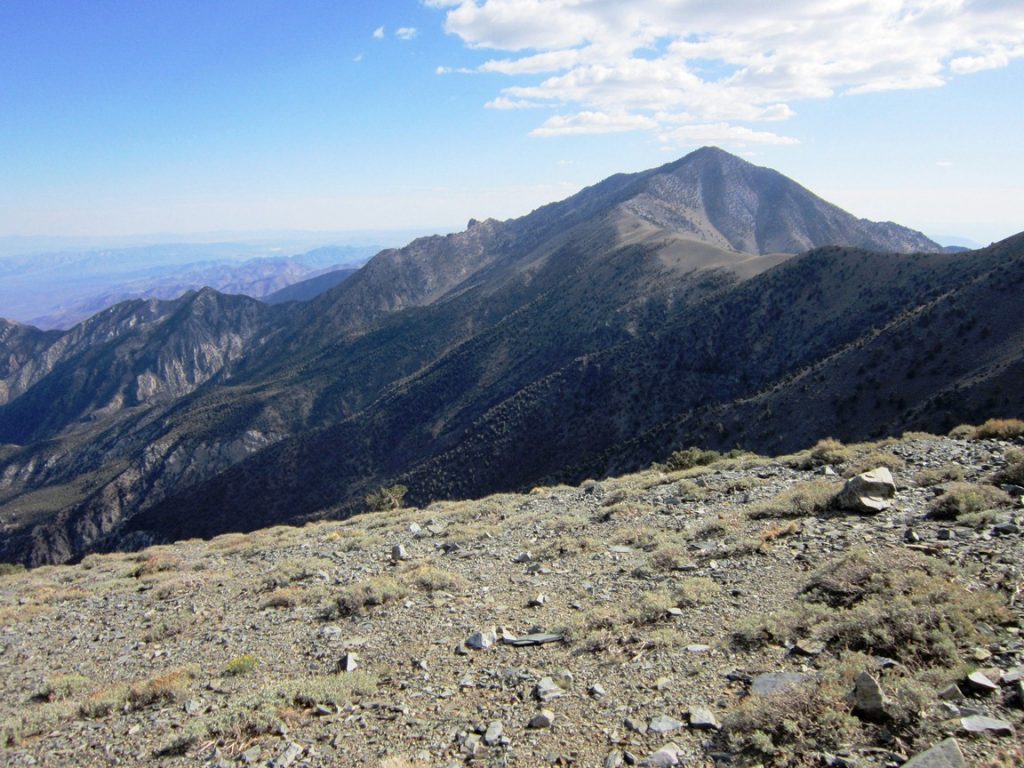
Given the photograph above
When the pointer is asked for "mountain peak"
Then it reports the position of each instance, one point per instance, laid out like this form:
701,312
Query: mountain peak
719,198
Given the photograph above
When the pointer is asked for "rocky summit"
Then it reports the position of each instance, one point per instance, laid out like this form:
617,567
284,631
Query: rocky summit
713,609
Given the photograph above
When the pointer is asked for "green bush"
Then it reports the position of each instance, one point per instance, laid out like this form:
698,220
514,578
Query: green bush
388,498
691,457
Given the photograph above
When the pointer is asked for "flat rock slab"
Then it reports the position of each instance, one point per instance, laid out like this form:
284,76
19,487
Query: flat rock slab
945,754
980,682
664,724
539,638
983,724
771,683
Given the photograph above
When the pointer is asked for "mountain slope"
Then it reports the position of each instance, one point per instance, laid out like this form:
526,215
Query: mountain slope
308,289
581,419
133,354
481,360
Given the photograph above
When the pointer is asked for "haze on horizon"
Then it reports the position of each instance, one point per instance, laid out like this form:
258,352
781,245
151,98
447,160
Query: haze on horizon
190,117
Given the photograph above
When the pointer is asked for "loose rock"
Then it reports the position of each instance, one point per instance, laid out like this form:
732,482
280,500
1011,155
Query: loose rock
945,754
867,697
869,492
542,719
664,724
703,718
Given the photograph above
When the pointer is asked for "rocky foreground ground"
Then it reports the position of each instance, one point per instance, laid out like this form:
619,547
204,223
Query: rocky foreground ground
715,610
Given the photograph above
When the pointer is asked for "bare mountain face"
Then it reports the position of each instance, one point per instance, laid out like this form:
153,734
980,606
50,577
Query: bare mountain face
591,335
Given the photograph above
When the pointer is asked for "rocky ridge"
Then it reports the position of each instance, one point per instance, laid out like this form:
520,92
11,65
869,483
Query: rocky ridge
711,610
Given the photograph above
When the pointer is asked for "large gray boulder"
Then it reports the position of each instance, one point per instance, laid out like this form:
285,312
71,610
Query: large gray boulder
869,492
945,754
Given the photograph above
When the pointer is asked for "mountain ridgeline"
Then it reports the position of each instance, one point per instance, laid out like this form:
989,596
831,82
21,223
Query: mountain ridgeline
708,301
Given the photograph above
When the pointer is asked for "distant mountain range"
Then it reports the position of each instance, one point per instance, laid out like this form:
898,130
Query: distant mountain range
60,289
707,301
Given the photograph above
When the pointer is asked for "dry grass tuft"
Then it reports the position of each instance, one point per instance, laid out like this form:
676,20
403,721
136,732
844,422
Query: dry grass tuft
329,690
802,500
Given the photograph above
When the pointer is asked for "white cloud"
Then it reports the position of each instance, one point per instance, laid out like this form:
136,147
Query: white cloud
721,133
378,33
653,64
503,102
405,33
592,122
357,58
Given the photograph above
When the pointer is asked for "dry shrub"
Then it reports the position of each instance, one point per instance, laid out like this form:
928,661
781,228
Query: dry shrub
1013,472
671,557
156,563
427,578
639,536
961,499
334,690
569,545
295,569
51,594
241,665
938,475
17,728
775,531
899,604
11,569
286,597
62,687
792,728
691,457
826,451
873,459
165,688
694,591
999,429
356,599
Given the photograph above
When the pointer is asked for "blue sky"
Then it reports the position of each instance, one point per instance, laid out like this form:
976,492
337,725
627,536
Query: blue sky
122,118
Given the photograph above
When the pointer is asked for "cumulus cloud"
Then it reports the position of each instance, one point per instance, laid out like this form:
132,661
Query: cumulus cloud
592,122
378,33
721,133
405,33
694,68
